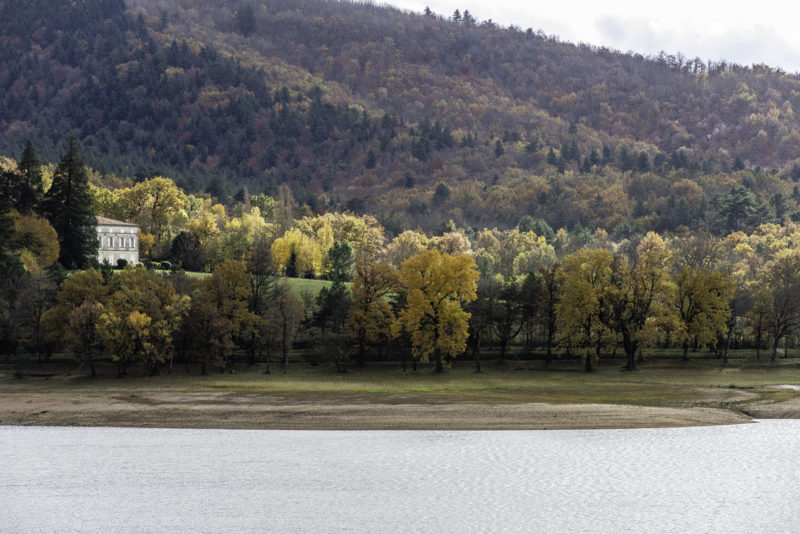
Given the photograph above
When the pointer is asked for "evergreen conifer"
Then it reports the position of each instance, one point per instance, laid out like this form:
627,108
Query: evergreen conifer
30,169
68,207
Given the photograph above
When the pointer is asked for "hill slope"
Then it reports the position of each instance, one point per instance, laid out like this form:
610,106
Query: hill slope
413,117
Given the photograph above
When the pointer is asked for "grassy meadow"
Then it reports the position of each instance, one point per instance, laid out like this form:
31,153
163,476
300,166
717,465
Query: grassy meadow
661,380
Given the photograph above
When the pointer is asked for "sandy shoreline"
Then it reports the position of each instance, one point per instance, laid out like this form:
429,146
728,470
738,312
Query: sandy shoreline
247,411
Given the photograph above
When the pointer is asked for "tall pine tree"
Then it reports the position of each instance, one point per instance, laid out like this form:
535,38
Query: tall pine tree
30,169
21,188
9,262
68,206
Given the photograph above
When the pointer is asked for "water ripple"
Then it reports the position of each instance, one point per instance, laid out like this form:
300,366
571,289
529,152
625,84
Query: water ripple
708,479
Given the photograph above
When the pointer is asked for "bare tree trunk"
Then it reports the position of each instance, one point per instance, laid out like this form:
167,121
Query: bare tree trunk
439,362
758,347
284,347
727,348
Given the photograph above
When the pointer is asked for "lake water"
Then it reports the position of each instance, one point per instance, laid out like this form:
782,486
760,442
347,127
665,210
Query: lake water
743,478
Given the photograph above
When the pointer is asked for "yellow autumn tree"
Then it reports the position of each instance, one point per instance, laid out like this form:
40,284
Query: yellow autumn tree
152,203
638,295
583,307
307,252
701,305
363,232
438,285
37,235
406,245
370,317
241,232
141,316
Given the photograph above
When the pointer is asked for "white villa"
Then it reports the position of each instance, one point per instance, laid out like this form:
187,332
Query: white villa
118,240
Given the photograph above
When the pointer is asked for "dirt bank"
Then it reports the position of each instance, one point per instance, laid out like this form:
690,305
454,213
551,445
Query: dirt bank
256,411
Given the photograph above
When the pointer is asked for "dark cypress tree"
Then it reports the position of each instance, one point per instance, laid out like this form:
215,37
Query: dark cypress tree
246,20
498,149
339,262
9,262
31,191
643,162
551,157
68,207
21,188
291,265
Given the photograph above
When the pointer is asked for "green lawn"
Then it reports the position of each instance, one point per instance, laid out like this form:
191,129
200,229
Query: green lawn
298,285
703,381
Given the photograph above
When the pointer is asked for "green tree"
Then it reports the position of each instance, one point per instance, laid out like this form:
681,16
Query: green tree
68,207
338,263
738,209
187,252
333,305
266,205
438,286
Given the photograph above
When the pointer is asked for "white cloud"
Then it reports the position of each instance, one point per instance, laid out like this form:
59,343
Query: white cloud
736,31
746,44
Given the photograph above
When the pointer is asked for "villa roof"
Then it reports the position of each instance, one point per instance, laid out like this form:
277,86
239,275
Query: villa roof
113,222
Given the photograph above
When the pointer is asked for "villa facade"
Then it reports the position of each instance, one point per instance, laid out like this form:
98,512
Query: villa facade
118,240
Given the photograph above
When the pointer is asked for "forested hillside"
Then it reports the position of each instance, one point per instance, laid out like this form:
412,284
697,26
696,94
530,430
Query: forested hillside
418,118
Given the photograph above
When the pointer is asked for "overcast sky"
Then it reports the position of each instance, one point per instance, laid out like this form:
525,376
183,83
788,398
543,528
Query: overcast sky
765,31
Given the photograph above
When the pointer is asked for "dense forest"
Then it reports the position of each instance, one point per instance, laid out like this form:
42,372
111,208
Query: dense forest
417,118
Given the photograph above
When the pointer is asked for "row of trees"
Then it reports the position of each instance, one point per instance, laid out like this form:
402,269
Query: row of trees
690,292
138,316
